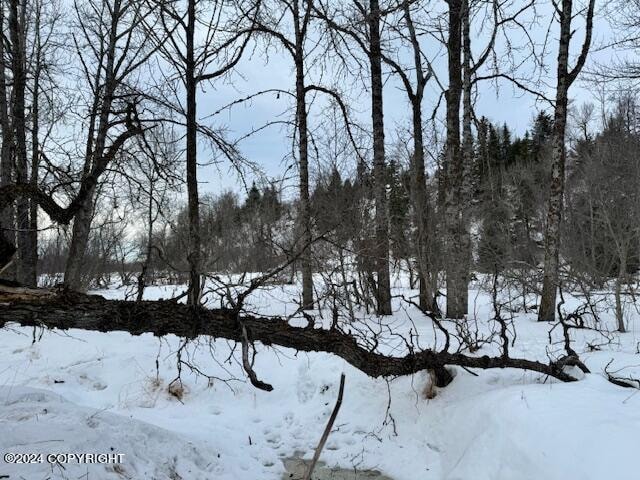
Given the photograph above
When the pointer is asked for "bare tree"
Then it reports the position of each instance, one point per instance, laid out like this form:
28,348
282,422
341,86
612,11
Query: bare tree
603,200
365,32
17,35
182,24
110,47
454,171
7,217
565,78
44,45
423,213
273,22
377,117
156,176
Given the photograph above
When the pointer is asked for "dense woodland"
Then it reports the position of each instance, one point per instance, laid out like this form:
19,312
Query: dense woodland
104,143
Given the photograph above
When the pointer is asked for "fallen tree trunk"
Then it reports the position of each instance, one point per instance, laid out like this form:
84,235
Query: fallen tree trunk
64,310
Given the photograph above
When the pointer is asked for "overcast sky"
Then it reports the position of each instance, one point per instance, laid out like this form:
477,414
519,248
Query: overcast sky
269,147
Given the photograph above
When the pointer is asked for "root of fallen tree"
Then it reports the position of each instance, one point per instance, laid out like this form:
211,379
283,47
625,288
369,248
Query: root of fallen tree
64,310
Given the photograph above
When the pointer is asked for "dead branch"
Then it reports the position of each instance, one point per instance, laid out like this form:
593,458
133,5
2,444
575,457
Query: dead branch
626,382
247,365
327,431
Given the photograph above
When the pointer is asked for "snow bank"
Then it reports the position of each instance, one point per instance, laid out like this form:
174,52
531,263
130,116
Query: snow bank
41,422
500,425
585,431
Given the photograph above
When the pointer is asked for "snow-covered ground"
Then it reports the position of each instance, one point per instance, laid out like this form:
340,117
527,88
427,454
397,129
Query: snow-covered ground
89,392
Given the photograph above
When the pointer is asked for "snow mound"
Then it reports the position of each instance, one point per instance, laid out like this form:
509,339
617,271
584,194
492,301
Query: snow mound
43,422
587,430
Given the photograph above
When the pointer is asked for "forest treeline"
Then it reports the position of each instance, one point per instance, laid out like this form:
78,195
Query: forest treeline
103,135
256,232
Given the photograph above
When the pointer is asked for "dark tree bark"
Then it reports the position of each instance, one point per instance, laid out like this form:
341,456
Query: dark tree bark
301,20
422,208
32,259
457,276
175,39
300,17
383,287
423,216
193,200
459,159
467,154
565,78
64,310
371,46
25,273
7,216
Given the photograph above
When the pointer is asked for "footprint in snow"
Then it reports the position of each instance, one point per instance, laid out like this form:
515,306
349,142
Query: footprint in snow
94,384
306,389
273,438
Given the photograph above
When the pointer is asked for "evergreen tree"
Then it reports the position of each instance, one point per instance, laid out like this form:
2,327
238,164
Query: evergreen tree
399,205
506,153
541,136
252,203
480,160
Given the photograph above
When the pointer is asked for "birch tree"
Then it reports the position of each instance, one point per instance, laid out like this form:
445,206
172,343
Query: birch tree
566,76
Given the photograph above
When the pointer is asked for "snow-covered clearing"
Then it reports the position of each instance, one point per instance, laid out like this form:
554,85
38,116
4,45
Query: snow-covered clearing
77,391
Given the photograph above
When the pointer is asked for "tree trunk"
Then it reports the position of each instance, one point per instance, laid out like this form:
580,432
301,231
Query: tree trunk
455,265
554,216
18,66
192,164
76,263
422,211
622,273
467,158
32,260
303,162
422,217
65,310
547,311
95,150
381,251
7,215
142,278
